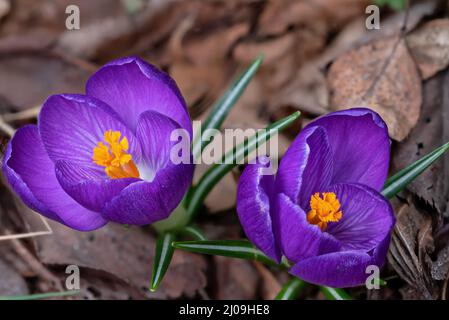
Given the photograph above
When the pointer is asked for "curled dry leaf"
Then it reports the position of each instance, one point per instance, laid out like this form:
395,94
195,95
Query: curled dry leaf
409,249
380,75
428,134
429,46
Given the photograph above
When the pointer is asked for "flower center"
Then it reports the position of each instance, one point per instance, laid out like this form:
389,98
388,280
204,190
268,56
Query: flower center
113,156
324,209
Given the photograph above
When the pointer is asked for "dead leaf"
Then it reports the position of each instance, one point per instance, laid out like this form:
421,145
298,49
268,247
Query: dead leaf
380,75
125,253
429,46
408,248
270,285
26,80
307,92
355,34
281,15
214,48
427,135
236,279
11,282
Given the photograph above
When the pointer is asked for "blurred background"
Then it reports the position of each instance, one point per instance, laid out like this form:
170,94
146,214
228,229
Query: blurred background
319,56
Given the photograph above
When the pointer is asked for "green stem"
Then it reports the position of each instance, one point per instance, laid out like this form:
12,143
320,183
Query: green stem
291,289
335,293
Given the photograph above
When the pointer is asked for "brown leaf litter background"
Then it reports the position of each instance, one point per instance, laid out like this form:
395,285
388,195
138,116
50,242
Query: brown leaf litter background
319,57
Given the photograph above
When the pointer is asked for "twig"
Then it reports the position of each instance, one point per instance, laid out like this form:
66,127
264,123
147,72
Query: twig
22,115
6,128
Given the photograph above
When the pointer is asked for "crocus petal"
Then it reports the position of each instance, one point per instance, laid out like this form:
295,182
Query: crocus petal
31,174
147,202
253,206
87,187
154,135
306,167
360,146
367,217
131,86
341,269
72,125
299,239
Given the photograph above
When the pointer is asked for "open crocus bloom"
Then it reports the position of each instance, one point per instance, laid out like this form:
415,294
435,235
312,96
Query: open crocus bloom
323,211
104,156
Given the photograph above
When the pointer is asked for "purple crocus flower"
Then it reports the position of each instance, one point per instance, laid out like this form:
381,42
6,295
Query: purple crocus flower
104,156
323,211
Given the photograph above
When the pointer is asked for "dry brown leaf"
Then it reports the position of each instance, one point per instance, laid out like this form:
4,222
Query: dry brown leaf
408,244
429,46
427,135
110,35
281,15
26,80
125,253
306,92
236,279
272,49
380,75
11,282
270,285
214,48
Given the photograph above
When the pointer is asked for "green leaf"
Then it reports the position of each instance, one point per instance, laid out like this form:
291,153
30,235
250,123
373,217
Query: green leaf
393,4
223,106
241,249
335,293
218,171
291,289
163,255
41,295
193,232
400,180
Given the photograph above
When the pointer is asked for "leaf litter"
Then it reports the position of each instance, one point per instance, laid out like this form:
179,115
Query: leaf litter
318,58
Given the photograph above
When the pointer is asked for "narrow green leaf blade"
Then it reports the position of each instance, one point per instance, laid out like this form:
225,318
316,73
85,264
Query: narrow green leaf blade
241,249
218,171
393,4
162,259
224,105
400,180
291,289
193,232
335,293
38,296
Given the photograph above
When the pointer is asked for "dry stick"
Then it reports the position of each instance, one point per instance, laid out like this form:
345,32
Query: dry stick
22,115
16,236
6,128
